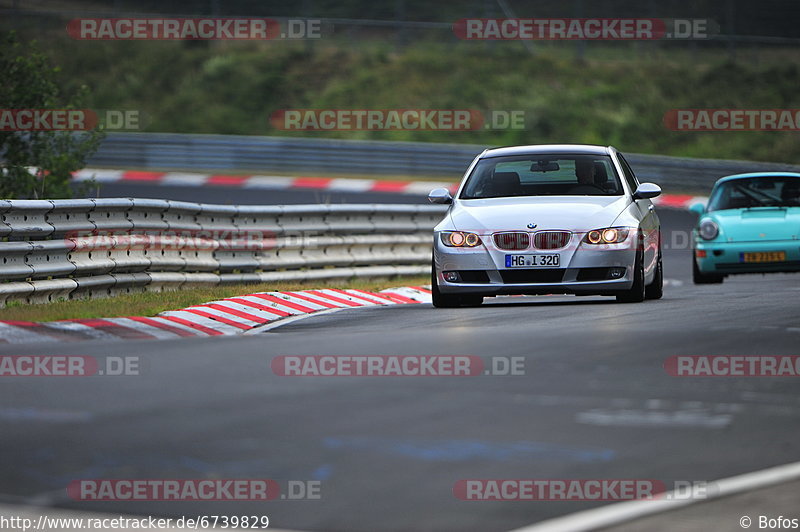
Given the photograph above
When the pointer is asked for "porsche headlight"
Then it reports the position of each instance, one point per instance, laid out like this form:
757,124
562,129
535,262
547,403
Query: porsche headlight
458,239
708,230
607,235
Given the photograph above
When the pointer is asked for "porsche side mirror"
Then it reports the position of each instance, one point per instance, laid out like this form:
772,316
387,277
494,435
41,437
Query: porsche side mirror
698,208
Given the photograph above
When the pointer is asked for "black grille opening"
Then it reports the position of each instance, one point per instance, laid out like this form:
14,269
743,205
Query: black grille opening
473,276
544,275
512,241
593,274
551,239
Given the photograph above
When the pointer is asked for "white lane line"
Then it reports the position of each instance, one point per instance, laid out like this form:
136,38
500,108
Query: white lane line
623,512
652,418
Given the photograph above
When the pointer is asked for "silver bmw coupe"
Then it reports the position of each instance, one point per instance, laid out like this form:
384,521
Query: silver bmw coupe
548,219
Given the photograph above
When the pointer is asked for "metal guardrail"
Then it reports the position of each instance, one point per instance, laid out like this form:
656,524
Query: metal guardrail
74,249
169,151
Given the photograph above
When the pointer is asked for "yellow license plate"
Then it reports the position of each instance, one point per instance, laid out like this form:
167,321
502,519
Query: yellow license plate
764,256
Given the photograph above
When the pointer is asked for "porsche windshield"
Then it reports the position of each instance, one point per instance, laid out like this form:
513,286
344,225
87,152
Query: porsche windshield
543,175
767,191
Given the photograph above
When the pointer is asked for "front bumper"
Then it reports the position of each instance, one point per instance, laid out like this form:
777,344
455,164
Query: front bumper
584,269
725,257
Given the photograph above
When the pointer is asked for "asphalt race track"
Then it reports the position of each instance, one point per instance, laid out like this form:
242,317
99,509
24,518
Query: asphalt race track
594,402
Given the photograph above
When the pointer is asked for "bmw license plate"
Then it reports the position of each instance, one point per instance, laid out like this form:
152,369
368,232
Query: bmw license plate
763,256
552,260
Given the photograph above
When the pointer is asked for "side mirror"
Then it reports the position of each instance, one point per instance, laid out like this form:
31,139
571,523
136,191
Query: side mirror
440,195
647,191
698,208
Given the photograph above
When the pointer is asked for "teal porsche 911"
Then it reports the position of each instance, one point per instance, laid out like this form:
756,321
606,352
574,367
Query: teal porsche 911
750,225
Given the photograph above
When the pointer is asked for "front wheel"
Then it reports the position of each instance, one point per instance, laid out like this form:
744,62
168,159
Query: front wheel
699,277
636,293
655,290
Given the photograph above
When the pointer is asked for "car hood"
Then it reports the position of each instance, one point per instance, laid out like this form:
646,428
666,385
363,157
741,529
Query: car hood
758,224
572,213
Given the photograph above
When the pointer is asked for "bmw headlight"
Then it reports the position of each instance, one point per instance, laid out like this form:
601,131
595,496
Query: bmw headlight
708,229
608,235
459,239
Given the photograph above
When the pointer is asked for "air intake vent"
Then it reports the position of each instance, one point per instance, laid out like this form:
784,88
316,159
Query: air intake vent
512,241
544,275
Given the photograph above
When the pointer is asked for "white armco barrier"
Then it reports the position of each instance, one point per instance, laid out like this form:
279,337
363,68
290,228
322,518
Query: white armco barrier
70,249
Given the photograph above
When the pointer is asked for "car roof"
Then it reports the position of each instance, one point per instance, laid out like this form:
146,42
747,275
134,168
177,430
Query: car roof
757,174
536,149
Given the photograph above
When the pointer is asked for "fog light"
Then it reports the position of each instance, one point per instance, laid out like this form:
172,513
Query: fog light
451,277
617,273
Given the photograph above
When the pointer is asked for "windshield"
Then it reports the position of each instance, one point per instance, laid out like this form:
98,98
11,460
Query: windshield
543,175
768,191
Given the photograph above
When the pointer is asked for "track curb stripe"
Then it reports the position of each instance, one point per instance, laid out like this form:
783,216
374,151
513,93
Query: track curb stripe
159,324
192,325
419,188
224,317
335,299
301,309
261,307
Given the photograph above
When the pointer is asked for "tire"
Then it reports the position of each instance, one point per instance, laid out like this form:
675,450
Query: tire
441,300
636,293
655,290
699,277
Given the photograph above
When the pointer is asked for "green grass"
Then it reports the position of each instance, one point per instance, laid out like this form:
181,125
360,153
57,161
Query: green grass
151,303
